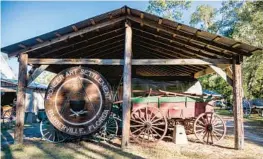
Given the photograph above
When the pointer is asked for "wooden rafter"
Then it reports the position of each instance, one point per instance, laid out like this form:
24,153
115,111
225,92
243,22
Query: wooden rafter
70,35
81,41
93,44
181,33
177,40
178,47
76,29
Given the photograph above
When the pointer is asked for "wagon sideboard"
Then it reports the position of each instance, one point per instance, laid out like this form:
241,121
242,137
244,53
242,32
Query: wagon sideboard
176,107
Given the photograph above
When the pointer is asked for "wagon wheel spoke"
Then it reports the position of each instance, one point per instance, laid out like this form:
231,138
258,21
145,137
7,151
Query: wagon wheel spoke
146,113
213,132
156,120
136,121
218,130
140,133
200,130
137,130
158,128
158,124
208,135
139,118
151,134
135,126
156,132
217,133
143,119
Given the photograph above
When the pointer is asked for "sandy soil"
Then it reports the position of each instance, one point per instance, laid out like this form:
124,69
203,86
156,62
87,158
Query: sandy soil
35,147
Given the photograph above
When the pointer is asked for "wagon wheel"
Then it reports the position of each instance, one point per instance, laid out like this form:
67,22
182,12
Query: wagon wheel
110,129
209,128
50,133
246,108
148,124
8,116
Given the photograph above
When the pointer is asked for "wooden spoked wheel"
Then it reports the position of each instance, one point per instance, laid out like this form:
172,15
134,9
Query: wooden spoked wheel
209,128
110,129
50,133
148,124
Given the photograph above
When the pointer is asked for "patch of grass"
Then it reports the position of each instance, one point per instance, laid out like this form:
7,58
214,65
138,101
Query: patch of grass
255,120
223,112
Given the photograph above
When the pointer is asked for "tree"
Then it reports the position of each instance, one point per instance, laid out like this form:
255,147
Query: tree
205,16
242,21
168,9
217,84
249,30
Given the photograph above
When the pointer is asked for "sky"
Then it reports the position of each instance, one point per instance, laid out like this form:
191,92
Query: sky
24,20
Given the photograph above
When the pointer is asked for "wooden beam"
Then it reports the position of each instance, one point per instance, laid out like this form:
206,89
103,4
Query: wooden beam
222,73
127,75
36,73
229,72
238,109
184,34
22,46
69,36
39,40
52,61
21,95
209,70
93,23
76,29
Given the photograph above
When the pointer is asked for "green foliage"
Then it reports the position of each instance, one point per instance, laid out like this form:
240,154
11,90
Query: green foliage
205,16
217,84
45,77
168,9
249,29
242,21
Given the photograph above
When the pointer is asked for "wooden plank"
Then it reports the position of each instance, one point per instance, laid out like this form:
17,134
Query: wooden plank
69,36
184,34
21,95
52,61
223,74
127,75
36,73
238,109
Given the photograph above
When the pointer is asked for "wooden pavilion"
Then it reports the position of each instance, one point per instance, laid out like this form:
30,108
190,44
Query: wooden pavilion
136,44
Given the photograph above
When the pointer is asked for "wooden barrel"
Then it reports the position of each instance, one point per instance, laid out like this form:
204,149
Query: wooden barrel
78,101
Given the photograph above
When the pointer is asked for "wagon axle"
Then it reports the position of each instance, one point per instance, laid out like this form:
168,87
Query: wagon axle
209,127
148,125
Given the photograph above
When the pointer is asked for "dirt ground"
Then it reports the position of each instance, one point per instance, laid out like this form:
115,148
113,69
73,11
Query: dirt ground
34,147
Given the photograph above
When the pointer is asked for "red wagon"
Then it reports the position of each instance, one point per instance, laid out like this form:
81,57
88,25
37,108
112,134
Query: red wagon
153,117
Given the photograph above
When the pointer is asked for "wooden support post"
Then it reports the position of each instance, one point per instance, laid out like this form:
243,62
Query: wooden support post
238,109
21,94
127,74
